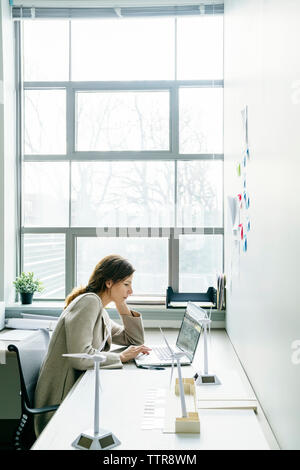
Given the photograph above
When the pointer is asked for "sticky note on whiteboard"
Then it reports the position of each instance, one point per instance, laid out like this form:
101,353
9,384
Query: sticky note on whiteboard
233,208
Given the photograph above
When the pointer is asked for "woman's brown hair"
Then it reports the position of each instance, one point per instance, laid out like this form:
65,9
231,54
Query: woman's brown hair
112,267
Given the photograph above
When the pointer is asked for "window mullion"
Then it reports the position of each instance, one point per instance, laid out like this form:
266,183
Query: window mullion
174,262
123,85
70,260
19,146
70,119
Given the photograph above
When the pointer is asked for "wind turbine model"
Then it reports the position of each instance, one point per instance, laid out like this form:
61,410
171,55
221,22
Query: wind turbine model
97,439
205,378
177,355
189,421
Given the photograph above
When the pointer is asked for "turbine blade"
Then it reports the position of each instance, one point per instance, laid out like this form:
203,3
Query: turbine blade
79,355
172,370
168,346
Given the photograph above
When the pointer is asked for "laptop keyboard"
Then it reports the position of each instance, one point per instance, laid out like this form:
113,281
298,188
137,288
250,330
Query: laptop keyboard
162,353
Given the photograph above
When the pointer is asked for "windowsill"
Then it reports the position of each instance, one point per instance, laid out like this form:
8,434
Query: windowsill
55,305
132,300
153,315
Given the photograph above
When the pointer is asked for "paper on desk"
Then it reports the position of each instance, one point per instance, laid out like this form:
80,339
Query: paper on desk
154,409
29,324
231,388
184,304
16,335
227,404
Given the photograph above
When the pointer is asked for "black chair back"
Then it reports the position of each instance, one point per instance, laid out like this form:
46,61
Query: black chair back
30,356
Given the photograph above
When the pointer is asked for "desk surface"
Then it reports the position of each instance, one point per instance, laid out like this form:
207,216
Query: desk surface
122,406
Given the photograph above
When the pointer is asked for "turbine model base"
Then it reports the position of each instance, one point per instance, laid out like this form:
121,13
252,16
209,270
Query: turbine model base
103,440
206,379
190,424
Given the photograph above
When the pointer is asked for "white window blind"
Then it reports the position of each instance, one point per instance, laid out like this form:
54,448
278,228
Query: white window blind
39,12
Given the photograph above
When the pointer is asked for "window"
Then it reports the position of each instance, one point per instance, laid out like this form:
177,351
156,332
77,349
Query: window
122,148
122,120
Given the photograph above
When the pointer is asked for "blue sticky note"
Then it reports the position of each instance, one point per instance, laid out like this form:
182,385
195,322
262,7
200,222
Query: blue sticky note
246,199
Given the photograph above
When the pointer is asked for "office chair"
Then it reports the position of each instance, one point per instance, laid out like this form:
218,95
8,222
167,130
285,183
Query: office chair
30,355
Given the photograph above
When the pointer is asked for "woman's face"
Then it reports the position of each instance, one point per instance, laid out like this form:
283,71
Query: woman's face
121,290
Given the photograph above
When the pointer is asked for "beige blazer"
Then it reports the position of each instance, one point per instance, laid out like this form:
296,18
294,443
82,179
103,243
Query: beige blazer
82,327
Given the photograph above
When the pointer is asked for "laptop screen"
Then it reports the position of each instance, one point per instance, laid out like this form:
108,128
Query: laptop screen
190,330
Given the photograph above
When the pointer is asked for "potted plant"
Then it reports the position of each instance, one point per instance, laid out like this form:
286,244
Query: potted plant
26,286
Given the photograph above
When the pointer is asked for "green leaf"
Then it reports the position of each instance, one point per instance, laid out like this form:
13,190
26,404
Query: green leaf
26,283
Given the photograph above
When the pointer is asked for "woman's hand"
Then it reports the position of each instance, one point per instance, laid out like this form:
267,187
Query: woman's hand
123,308
133,351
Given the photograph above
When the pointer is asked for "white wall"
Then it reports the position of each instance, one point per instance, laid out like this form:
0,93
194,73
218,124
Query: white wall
7,156
262,69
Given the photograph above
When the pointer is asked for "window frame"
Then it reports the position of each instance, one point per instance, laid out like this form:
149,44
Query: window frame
72,233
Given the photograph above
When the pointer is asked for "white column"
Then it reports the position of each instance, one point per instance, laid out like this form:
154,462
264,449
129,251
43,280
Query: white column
205,351
182,397
97,405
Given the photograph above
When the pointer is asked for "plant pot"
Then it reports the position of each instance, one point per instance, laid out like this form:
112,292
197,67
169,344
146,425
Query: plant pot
26,297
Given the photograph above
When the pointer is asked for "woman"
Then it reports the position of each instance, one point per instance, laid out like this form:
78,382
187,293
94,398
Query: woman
83,326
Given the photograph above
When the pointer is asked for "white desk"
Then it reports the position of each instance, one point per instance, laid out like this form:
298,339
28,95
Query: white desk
123,406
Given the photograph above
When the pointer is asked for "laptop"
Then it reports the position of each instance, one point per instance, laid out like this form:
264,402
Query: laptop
187,341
